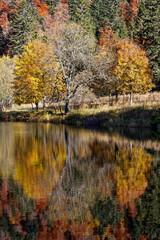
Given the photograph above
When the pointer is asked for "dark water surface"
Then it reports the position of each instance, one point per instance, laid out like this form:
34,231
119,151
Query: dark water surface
58,182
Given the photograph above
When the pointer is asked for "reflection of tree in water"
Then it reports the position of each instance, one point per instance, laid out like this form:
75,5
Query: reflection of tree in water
132,173
148,208
39,161
107,214
75,182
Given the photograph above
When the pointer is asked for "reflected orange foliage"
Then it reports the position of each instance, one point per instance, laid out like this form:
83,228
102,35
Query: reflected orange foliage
120,232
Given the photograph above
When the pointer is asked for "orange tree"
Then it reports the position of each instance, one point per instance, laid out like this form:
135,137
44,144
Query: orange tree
131,69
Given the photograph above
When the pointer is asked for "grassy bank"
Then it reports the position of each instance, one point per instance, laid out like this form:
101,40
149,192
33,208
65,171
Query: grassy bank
99,112
136,116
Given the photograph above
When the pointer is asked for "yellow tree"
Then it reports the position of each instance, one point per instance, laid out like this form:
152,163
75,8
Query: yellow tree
131,69
37,73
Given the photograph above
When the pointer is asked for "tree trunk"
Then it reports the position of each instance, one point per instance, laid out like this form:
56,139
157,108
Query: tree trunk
36,106
67,106
130,98
32,106
116,96
44,106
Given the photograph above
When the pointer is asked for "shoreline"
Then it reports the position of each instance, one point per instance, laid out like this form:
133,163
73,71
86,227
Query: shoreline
129,117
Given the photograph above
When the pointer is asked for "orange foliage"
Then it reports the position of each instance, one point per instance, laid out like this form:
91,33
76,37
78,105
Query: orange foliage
41,7
132,176
119,232
129,11
4,23
107,38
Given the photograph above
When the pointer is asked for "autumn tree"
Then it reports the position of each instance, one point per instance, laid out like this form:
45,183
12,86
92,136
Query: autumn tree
132,69
100,77
36,71
7,66
74,47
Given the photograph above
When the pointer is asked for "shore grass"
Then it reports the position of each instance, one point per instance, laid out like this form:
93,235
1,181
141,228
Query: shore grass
103,112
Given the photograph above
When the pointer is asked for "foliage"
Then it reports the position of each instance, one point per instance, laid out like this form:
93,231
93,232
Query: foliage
100,74
148,35
148,220
132,68
81,13
74,47
39,162
23,26
131,176
7,66
107,213
106,12
36,74
4,23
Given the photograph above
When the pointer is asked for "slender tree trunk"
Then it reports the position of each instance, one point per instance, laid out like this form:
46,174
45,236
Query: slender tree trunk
67,106
116,96
130,98
36,106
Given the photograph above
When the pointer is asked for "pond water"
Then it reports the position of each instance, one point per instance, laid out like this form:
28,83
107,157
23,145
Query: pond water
58,182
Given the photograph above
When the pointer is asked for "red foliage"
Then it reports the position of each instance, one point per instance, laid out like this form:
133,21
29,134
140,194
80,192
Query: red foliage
107,38
41,7
4,23
129,11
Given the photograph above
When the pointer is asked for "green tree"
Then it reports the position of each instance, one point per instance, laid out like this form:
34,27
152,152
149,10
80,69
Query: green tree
23,26
148,220
107,12
107,212
148,33
7,66
81,13
2,42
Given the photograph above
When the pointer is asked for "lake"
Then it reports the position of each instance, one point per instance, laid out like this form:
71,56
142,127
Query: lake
60,182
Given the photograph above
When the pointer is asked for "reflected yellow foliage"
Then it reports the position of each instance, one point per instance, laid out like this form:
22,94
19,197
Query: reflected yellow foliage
131,175
38,169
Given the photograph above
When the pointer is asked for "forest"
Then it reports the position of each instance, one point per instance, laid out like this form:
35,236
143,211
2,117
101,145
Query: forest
51,49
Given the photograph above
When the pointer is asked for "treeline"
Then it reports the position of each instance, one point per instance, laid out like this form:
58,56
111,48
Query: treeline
50,49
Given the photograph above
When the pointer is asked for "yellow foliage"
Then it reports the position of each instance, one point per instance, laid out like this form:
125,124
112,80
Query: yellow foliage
37,73
38,169
131,175
132,68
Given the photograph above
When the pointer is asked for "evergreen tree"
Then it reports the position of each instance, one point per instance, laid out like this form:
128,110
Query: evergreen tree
81,13
148,33
23,26
2,42
107,12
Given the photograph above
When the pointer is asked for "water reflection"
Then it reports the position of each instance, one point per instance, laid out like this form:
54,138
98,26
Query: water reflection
66,183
